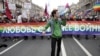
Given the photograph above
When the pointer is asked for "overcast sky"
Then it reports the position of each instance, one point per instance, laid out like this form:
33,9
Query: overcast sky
53,4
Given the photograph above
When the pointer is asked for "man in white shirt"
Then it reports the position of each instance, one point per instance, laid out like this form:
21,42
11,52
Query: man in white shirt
19,19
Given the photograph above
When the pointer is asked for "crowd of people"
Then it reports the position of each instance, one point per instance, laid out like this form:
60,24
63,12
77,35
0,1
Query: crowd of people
19,19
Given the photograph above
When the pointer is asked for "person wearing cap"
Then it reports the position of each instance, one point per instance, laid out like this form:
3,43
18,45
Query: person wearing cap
56,32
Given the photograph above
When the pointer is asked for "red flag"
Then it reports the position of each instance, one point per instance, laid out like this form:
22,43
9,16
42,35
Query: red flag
46,11
8,12
67,5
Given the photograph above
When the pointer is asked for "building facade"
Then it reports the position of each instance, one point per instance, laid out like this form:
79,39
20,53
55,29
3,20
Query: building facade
1,5
35,9
86,5
74,8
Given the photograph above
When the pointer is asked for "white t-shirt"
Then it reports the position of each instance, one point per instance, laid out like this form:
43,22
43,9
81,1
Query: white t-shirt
19,19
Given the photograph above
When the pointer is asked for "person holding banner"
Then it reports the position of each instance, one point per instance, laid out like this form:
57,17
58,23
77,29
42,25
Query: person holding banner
55,24
19,18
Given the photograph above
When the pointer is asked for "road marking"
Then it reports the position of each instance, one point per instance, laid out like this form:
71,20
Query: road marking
10,47
82,47
63,49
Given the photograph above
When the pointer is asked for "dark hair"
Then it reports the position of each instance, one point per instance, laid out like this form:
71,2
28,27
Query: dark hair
53,12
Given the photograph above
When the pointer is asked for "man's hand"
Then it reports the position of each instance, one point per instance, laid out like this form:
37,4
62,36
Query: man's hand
43,33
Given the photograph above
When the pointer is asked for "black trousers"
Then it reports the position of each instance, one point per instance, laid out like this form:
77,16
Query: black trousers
53,46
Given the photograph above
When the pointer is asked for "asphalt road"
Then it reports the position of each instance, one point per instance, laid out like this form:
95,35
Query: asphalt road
40,47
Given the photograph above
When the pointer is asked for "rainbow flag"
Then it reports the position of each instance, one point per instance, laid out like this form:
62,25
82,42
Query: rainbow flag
36,29
96,7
